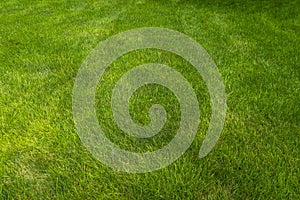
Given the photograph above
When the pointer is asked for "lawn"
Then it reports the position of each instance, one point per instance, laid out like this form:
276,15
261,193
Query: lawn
255,45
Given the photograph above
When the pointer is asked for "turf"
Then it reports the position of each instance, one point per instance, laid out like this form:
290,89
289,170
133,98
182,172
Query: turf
255,45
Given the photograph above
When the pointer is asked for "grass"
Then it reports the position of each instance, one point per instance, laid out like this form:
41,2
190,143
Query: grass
255,45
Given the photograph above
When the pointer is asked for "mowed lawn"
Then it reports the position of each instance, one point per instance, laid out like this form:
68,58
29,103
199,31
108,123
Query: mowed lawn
255,45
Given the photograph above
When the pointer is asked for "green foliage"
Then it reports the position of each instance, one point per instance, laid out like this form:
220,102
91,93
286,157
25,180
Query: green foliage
255,45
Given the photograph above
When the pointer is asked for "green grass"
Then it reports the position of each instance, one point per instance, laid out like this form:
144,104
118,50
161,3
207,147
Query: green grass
255,45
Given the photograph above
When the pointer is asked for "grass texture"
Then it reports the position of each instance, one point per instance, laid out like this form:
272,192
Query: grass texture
255,45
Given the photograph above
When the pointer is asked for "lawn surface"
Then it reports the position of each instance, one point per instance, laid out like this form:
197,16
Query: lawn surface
255,45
